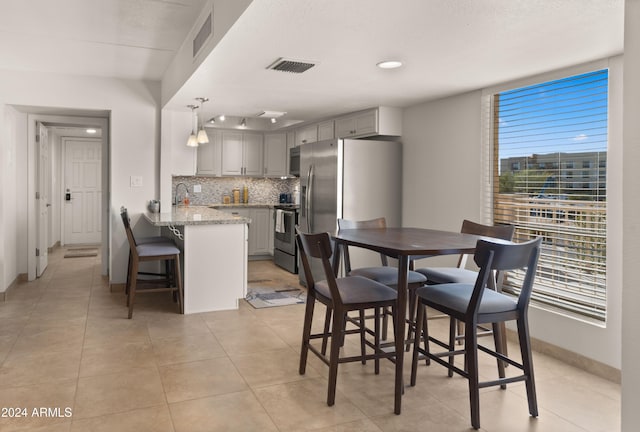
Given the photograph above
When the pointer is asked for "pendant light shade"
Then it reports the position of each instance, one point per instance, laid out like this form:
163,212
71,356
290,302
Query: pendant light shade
202,137
192,141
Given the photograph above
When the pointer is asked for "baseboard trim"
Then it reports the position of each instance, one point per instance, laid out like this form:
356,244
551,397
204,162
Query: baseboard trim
574,359
116,287
4,295
54,247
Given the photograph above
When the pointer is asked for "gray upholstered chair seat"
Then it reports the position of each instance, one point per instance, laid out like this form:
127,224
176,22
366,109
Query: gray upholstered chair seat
153,239
444,275
157,249
387,275
457,296
357,289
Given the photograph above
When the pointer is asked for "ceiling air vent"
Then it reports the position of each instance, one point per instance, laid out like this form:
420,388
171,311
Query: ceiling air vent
289,65
203,34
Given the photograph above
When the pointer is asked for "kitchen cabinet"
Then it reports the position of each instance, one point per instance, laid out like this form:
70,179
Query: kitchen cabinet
241,153
325,130
260,229
210,155
291,143
276,155
378,121
307,134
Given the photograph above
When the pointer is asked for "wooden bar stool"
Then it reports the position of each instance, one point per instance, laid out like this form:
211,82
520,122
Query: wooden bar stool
154,249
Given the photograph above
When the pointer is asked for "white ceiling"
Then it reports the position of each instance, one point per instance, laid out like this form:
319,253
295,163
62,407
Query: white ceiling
447,46
133,39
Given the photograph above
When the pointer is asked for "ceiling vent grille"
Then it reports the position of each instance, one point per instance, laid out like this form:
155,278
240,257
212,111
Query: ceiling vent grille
289,65
202,36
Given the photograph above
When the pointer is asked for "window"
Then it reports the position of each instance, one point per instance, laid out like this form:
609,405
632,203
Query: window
561,125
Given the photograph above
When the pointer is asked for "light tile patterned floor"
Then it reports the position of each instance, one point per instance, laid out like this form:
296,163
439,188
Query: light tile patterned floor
65,342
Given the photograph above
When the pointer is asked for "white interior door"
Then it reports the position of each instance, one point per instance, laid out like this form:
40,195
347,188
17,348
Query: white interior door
42,198
82,195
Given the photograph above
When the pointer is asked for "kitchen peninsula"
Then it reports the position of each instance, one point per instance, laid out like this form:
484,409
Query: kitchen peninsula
214,255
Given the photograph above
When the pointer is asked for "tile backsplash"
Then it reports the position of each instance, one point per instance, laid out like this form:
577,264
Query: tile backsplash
261,190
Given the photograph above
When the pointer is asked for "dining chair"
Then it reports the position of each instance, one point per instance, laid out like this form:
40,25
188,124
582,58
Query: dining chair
383,274
460,274
474,304
155,249
340,295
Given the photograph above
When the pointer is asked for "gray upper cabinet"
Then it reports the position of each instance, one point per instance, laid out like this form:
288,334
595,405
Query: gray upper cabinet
241,153
307,134
378,121
325,130
210,155
275,155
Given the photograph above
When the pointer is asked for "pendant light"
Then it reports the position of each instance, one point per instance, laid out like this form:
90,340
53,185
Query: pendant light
193,139
202,137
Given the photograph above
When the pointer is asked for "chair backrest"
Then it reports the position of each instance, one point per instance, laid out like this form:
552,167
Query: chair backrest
317,246
503,232
500,256
124,214
351,224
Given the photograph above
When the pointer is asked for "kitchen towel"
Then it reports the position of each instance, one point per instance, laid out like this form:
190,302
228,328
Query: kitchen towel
279,221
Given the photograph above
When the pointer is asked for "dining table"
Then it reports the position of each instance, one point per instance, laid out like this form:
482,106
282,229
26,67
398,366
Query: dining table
403,244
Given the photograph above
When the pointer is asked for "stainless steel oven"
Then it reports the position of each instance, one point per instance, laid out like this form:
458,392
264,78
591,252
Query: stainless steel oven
285,252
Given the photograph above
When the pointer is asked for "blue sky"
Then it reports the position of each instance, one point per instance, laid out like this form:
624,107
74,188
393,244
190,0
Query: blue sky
566,115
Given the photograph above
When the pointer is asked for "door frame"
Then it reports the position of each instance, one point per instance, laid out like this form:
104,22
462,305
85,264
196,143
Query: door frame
32,219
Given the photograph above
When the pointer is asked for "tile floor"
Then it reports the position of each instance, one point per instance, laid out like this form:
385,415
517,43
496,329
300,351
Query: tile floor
65,342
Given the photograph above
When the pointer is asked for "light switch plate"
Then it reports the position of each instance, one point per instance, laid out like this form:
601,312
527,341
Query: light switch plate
135,181
197,188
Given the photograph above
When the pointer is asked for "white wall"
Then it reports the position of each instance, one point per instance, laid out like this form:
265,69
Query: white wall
13,130
134,141
441,165
442,185
631,221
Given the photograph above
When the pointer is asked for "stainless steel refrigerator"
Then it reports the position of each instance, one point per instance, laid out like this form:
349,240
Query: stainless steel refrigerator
350,179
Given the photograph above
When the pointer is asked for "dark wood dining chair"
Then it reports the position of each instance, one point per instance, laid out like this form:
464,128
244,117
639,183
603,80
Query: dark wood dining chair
340,296
164,251
384,273
474,304
461,274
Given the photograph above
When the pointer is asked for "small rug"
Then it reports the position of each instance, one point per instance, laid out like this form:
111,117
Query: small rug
80,252
264,297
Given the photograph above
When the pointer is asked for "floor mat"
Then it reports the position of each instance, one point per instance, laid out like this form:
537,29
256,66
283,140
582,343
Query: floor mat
263,297
80,252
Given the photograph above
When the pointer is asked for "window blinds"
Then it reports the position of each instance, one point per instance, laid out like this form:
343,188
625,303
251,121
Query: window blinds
549,169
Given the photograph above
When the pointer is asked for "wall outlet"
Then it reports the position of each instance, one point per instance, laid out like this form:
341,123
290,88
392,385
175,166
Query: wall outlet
197,188
135,181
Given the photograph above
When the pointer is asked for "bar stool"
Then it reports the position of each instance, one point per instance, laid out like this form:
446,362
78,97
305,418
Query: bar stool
154,249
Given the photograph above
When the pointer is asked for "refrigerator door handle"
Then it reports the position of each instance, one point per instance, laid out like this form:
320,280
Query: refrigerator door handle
309,199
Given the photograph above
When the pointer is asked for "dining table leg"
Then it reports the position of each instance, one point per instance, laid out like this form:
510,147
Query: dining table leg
401,312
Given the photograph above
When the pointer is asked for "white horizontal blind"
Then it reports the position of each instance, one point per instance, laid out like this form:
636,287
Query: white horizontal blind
549,180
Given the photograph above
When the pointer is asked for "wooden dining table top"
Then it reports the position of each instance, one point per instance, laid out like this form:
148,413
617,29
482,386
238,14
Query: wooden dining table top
395,242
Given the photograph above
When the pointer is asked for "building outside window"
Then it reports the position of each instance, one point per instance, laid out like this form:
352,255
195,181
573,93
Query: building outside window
550,129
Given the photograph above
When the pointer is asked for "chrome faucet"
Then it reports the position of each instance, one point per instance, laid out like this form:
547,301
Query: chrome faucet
186,189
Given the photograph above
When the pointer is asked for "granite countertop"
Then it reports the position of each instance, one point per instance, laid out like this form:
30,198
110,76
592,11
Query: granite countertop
194,215
249,205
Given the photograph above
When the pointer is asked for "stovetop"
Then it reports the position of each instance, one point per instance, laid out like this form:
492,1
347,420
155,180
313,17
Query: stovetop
287,206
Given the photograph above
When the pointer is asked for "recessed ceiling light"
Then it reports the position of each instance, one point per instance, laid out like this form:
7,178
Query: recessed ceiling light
222,117
389,64
91,131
